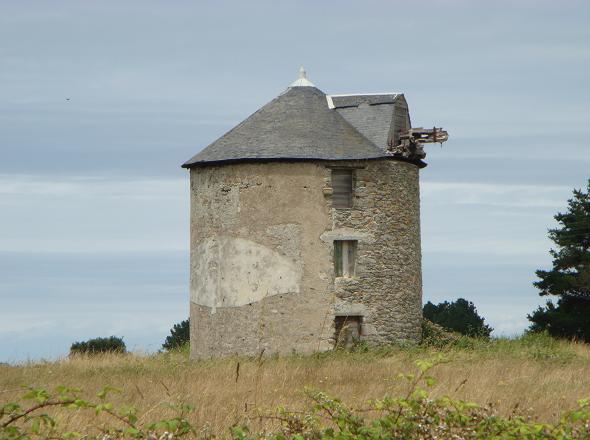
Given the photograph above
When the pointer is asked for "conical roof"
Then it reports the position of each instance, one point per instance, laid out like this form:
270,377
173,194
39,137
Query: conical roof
296,125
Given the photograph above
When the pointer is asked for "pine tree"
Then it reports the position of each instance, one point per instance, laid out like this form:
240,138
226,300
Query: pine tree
571,262
179,336
569,279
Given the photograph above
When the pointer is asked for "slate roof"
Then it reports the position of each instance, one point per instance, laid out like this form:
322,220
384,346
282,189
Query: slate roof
340,101
303,123
372,115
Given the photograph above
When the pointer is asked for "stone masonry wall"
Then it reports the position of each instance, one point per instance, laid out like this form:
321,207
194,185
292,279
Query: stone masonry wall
385,217
262,276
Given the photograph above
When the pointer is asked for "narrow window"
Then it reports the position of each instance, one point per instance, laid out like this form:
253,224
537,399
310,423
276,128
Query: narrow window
348,330
344,257
341,188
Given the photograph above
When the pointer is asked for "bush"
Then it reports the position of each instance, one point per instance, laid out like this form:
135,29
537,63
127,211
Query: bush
30,417
112,344
179,336
459,316
433,335
566,319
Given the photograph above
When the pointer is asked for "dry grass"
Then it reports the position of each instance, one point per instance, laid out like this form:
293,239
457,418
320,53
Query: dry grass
540,376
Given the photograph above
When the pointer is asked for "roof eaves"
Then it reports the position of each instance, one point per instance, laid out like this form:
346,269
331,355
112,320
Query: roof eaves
419,163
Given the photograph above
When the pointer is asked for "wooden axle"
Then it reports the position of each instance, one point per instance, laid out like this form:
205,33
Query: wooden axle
425,135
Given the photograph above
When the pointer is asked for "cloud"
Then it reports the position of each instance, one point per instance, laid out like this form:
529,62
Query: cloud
50,300
91,187
493,246
16,323
512,325
35,335
84,214
497,195
489,220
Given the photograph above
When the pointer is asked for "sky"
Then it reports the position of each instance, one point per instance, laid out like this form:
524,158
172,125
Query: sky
101,102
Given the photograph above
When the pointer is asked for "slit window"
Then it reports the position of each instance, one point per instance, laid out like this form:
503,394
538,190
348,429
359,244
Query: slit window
345,258
342,188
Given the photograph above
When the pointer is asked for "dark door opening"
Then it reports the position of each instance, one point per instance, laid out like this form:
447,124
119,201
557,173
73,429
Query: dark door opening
348,330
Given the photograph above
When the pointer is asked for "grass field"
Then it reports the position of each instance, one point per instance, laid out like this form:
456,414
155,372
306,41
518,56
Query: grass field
535,376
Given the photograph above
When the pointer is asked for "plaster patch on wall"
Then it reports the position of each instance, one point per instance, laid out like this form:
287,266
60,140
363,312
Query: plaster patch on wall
233,272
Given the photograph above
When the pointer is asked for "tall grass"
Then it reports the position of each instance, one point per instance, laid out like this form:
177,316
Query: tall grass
540,376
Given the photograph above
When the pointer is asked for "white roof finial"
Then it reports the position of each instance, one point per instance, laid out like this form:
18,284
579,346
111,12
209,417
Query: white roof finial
302,74
302,81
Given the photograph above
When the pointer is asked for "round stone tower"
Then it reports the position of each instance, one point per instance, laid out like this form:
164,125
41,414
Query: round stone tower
305,227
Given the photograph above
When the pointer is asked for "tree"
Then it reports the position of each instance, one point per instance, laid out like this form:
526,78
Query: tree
566,319
179,336
112,344
459,316
569,279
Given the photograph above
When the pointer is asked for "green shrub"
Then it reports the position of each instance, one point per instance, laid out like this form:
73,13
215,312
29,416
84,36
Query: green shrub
30,417
459,316
179,336
112,344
